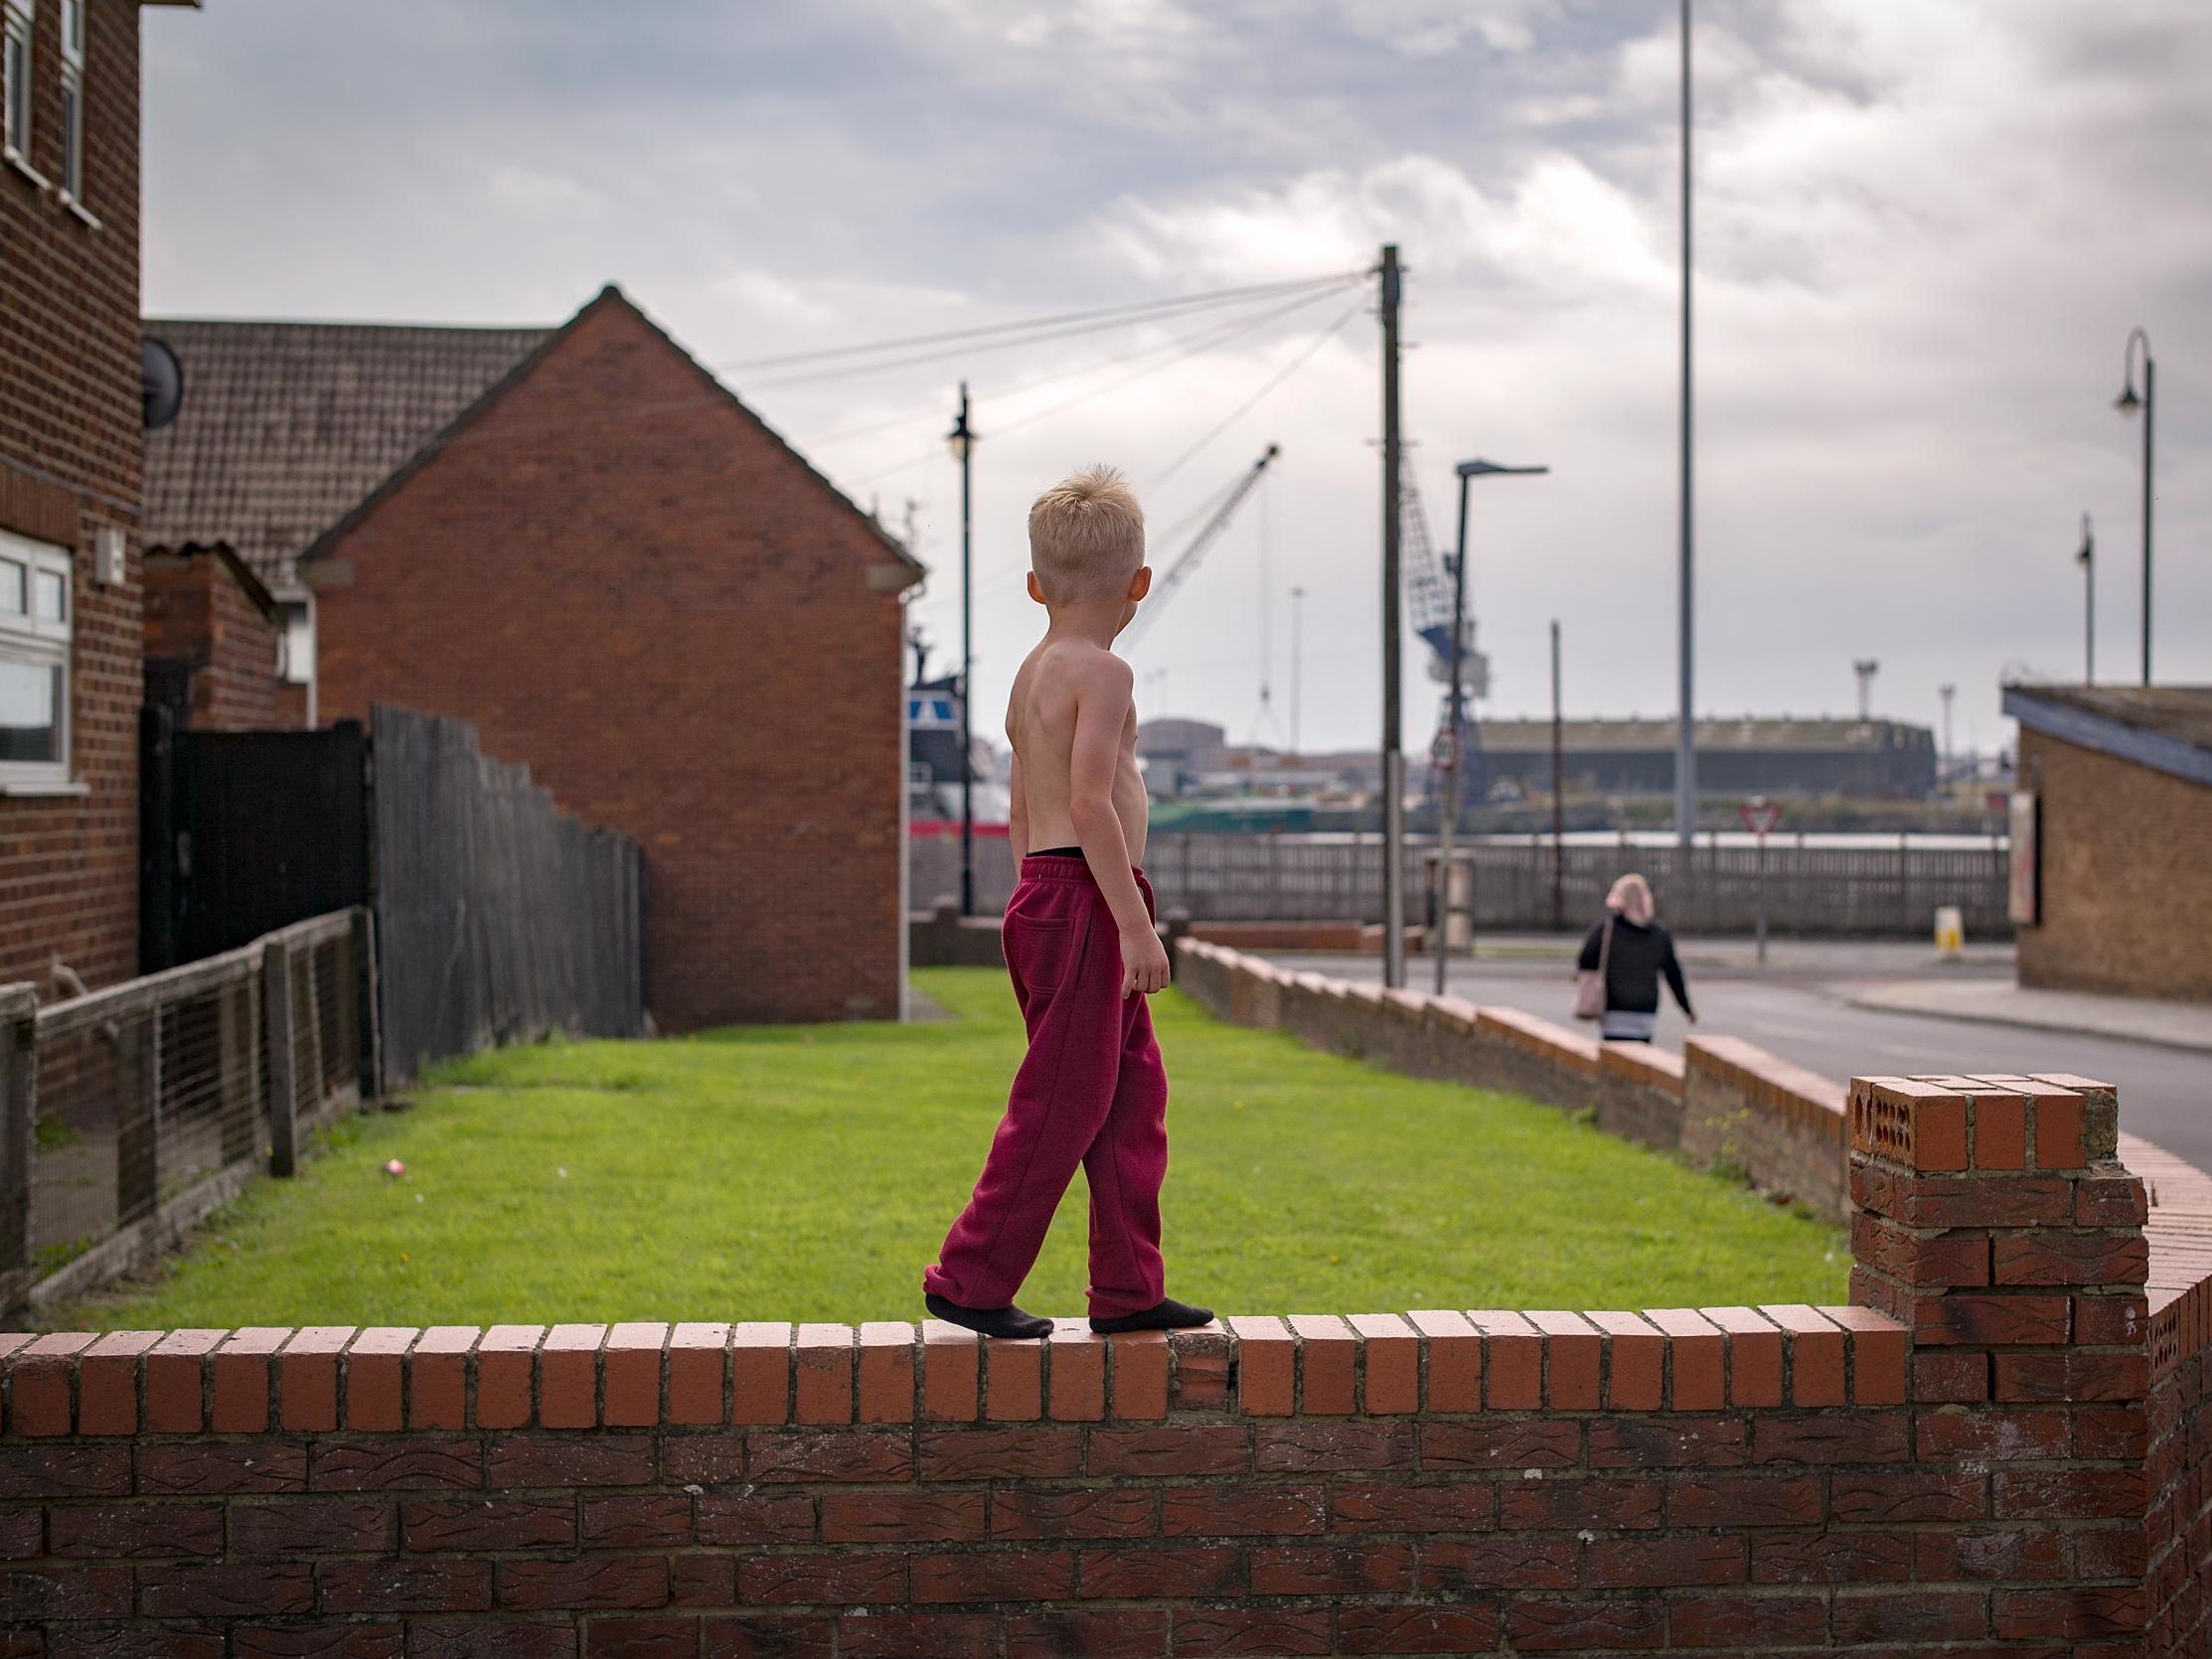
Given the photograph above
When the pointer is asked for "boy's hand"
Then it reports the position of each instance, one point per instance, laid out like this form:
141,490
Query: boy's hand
1144,961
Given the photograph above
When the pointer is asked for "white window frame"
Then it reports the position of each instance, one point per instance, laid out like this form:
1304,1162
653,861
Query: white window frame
40,643
72,100
15,65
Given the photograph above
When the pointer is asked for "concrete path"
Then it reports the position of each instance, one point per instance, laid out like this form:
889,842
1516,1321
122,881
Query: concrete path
2003,1002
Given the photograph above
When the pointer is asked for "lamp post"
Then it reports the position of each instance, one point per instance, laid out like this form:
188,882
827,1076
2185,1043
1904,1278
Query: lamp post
1298,611
2087,559
1943,765
2127,403
961,440
1468,470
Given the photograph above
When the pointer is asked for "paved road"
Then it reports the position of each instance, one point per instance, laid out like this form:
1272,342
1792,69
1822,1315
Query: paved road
2166,1094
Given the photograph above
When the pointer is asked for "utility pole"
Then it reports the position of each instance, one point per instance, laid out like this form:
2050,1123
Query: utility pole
1298,611
1947,692
1393,761
1558,810
1685,733
963,442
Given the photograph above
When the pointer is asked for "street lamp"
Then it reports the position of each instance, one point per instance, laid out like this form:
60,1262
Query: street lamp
2127,403
961,440
1468,472
2087,559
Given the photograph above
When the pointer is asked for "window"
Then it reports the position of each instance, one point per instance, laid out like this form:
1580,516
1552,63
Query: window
72,100
15,70
35,618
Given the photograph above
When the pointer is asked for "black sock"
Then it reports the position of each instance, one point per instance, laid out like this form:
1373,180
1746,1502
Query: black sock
988,1322
1167,1315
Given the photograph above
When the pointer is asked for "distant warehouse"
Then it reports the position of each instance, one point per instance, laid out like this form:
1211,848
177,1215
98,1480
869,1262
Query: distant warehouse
1754,755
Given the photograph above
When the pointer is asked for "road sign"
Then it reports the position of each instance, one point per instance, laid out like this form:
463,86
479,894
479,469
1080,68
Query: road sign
1444,752
1760,815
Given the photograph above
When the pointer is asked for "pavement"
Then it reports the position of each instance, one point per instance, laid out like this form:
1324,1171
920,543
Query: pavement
1846,1010
2139,1019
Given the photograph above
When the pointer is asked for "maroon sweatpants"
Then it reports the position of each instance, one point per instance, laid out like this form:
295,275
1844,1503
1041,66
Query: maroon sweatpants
1091,1091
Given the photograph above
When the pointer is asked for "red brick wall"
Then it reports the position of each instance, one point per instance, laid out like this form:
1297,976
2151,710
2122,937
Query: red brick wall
69,460
2123,868
1964,1471
198,612
632,587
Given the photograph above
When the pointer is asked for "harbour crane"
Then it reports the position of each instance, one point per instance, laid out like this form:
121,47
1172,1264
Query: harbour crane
1187,563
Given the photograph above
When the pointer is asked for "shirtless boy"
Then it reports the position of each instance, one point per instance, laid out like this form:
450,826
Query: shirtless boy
1080,947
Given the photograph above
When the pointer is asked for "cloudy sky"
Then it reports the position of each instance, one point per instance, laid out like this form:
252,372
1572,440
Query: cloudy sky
1925,228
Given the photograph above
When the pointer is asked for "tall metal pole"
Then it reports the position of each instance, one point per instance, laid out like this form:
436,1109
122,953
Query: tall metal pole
1685,735
1558,810
2149,413
1947,692
1393,761
965,442
1298,611
2126,405
1447,819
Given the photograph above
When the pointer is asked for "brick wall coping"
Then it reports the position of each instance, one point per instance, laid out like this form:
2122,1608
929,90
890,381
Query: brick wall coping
1569,1048
1802,1095
643,1375
2179,1231
1656,1068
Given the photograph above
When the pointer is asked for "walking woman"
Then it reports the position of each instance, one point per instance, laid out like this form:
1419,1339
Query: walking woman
1622,960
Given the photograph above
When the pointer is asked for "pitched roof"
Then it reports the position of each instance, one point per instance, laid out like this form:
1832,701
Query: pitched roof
287,426
2166,727
906,570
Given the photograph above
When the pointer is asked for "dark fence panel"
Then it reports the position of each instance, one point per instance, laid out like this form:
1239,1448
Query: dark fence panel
499,918
243,832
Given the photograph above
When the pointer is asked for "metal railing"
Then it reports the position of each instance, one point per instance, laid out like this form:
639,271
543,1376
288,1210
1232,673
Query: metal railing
128,1114
1870,887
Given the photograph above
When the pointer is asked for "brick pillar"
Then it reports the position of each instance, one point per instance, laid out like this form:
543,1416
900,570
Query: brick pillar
1993,1221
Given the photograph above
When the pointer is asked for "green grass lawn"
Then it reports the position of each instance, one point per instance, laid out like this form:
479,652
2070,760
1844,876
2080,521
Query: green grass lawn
810,1173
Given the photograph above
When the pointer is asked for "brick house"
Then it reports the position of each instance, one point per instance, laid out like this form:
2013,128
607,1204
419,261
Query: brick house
287,426
2122,780
214,640
579,540
70,450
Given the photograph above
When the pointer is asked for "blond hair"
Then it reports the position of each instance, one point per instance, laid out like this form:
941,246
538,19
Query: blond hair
1086,535
1632,897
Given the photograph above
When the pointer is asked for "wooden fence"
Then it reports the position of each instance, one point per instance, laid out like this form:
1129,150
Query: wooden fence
1869,889
499,919
129,1114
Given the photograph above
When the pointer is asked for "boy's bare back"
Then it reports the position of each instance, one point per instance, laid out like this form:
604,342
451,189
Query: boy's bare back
1072,721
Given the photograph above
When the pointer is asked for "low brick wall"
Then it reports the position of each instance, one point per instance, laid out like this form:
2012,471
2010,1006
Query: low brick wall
1721,1101
1640,1094
1346,934
1784,1127
2004,1456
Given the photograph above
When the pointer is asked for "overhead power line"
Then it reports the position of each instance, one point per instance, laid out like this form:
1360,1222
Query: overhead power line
1273,381
967,349
1133,309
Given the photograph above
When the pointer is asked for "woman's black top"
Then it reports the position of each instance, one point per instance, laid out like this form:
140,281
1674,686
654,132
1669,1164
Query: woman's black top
1634,965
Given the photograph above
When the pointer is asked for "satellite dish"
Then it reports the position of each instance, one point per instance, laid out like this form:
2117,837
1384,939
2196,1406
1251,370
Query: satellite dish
161,381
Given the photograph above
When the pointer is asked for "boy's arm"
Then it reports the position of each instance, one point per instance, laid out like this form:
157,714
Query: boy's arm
1018,813
1103,696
